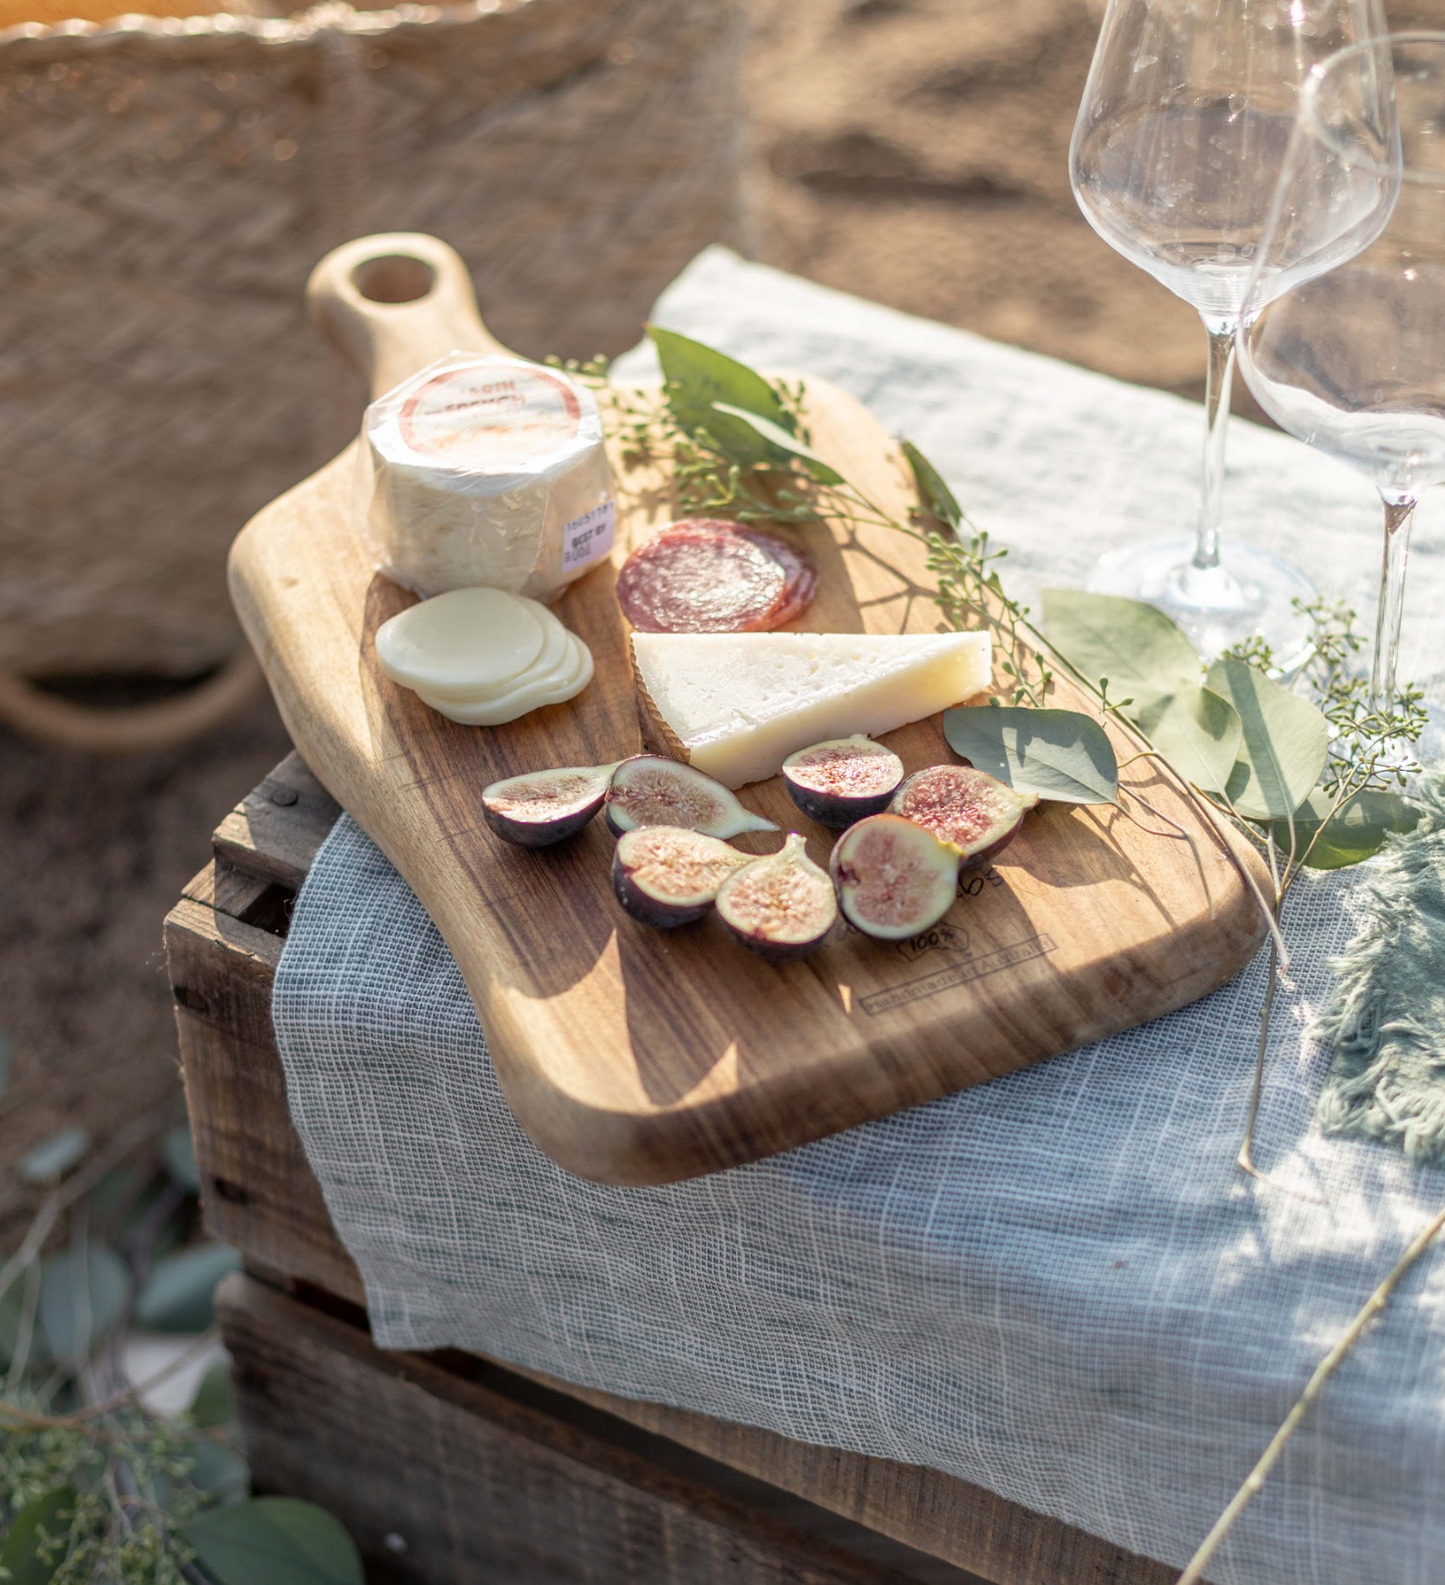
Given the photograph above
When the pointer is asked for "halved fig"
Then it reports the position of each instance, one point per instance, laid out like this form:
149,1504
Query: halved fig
894,879
545,806
844,780
780,906
666,875
652,791
968,808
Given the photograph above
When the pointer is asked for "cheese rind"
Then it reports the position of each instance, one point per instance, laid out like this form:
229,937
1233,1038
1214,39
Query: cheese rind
737,704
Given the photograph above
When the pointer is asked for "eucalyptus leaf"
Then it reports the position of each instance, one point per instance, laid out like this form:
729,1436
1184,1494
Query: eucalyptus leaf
42,1522
82,1293
1142,653
1285,741
214,1403
1058,754
697,377
178,1151
220,1470
278,1540
781,446
933,491
12,1314
7,1063
177,1296
1356,833
52,1158
1197,732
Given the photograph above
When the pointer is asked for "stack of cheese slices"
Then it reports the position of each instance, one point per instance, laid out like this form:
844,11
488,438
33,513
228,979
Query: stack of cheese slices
482,656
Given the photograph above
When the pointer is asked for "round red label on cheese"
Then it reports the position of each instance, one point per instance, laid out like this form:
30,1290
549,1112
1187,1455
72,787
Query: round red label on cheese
491,415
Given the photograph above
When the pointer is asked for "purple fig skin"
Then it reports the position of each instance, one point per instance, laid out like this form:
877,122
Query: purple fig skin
842,766
894,879
788,888
649,790
542,807
967,808
641,857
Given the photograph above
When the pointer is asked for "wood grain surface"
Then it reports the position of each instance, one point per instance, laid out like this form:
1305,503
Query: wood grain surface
636,1056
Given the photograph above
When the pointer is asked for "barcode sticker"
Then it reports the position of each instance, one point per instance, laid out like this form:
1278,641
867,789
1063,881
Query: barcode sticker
588,538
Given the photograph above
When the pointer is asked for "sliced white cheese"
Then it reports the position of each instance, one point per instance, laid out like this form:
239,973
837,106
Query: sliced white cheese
530,693
464,643
739,703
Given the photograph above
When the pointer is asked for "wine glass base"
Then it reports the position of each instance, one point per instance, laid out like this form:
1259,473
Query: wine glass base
1251,593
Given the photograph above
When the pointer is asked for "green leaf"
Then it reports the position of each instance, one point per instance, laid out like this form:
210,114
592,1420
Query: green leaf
933,492
278,1540
1284,744
7,1062
697,377
54,1157
81,1297
782,447
178,1151
1136,647
12,1313
1356,833
1059,754
178,1292
1196,731
214,1403
220,1470
43,1521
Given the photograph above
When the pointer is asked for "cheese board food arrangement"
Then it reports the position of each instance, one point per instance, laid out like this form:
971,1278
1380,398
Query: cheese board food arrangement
867,835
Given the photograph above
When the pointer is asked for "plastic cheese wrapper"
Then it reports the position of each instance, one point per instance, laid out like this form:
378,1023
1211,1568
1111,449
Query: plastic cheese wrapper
486,470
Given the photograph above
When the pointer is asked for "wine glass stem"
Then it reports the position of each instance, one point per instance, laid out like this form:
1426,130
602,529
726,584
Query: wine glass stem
1399,513
1216,417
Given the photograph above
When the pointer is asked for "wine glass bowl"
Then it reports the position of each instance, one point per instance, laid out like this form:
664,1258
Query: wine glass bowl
1344,347
1184,124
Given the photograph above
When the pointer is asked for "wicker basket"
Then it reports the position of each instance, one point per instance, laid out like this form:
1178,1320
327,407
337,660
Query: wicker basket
165,186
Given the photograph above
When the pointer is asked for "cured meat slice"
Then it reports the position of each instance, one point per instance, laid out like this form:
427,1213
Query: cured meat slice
707,575
801,571
701,576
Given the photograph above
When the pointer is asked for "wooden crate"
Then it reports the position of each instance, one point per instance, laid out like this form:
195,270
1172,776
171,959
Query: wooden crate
453,1468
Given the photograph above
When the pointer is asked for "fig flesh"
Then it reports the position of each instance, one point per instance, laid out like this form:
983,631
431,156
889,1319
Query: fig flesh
649,790
894,879
666,875
843,780
545,806
780,906
974,812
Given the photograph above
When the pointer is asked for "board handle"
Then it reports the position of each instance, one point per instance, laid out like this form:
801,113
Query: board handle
395,302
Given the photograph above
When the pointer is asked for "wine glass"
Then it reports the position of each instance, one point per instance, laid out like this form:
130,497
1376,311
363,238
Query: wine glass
1349,354
1185,120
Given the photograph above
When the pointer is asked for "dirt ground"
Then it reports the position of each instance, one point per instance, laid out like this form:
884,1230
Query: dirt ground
911,151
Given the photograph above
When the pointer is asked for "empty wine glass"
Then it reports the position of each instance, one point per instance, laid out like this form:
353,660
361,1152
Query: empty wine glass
1185,120
1350,355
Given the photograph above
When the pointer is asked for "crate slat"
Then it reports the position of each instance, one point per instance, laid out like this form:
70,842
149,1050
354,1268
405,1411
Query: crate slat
445,1478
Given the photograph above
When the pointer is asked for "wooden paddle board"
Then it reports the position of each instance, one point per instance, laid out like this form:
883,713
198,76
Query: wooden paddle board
639,1056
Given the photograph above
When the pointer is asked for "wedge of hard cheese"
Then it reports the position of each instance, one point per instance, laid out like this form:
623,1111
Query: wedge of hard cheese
737,704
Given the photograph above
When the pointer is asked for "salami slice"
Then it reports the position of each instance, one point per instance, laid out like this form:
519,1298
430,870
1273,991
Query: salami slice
707,575
701,576
802,574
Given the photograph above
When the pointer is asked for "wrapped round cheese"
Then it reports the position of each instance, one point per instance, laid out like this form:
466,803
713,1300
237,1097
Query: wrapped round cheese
487,470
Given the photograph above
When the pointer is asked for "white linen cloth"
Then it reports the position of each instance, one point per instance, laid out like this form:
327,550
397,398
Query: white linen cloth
1056,1285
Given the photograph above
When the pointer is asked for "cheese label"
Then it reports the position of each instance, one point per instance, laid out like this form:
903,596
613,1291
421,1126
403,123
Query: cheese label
588,538
497,415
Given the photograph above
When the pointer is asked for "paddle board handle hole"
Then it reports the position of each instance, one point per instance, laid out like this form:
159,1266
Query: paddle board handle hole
394,278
